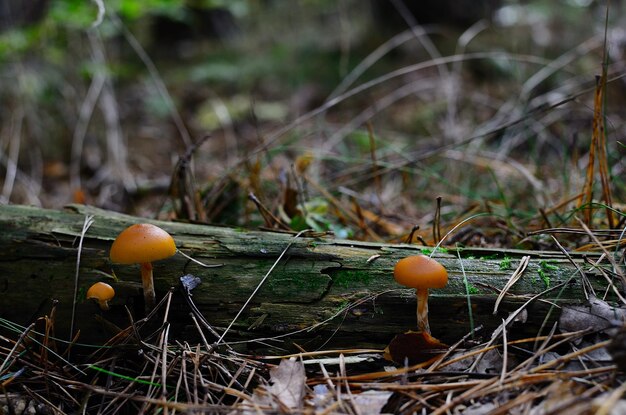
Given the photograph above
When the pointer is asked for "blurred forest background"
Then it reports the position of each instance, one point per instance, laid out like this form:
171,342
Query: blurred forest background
351,115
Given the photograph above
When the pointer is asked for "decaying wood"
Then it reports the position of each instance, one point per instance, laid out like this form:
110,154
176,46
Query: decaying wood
329,292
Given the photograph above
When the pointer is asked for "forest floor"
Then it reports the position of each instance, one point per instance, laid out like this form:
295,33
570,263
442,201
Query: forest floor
506,134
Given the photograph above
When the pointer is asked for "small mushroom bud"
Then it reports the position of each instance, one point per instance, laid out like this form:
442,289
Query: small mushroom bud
102,293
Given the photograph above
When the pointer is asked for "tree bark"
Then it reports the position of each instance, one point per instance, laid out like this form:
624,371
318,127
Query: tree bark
323,291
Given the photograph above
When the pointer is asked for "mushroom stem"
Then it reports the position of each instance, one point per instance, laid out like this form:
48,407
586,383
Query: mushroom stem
422,310
148,286
104,304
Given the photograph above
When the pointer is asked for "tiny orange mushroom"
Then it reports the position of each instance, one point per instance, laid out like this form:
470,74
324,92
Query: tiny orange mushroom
102,293
422,273
142,244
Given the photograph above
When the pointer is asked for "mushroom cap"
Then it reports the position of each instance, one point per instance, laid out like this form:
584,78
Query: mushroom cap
420,271
142,243
101,291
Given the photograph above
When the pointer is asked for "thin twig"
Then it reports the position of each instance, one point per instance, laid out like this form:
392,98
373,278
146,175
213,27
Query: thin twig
158,81
258,287
101,13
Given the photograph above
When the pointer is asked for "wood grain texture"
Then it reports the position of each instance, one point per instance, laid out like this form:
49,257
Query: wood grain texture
332,292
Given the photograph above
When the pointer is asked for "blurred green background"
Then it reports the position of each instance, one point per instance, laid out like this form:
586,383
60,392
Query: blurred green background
486,104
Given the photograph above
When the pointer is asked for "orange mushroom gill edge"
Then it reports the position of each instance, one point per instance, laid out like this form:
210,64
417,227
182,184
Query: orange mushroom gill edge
421,272
102,293
142,244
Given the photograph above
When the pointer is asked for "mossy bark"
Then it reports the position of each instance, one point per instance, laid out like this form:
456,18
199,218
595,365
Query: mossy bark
343,289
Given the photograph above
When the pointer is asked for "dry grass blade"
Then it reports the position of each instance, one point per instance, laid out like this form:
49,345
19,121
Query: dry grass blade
86,225
354,218
609,281
587,287
258,287
616,268
597,148
156,78
517,274
14,348
375,168
179,378
586,197
271,221
600,131
437,222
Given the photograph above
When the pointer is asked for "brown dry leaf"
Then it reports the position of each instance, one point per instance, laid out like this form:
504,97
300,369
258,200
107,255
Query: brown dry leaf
492,361
595,315
290,203
288,382
372,218
480,408
303,162
286,390
597,357
322,397
371,402
557,393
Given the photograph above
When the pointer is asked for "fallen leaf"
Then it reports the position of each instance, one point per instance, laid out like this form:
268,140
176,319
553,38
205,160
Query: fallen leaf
556,393
288,382
491,362
322,397
480,408
287,385
371,402
596,315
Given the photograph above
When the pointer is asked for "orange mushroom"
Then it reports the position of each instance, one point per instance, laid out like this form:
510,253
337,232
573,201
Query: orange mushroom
142,244
421,272
102,293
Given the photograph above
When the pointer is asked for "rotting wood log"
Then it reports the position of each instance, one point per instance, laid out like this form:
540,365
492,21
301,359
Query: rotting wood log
324,292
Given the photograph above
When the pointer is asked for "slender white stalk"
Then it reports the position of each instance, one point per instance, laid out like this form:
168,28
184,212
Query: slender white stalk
422,310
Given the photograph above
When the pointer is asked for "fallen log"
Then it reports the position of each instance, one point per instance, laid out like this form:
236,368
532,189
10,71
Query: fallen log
322,292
